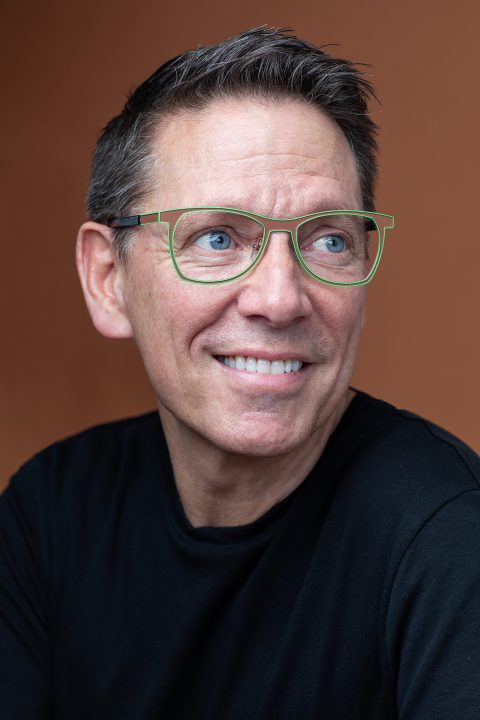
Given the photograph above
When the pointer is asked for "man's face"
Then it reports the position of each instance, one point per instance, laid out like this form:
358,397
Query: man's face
279,159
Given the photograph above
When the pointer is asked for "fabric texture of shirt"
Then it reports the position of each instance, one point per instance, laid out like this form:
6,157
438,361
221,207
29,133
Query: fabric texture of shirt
357,597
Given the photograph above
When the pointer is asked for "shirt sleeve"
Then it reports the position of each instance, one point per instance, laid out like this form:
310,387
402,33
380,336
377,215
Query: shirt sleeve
433,619
24,603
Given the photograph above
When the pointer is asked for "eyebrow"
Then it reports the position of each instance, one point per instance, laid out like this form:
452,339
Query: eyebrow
333,203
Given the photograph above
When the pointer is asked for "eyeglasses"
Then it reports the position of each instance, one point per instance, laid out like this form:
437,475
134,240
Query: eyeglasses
213,245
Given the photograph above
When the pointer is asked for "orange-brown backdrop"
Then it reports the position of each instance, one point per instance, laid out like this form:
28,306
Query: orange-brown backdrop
67,68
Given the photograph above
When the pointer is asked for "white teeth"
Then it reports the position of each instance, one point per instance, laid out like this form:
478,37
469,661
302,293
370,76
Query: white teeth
263,366
240,362
277,367
260,365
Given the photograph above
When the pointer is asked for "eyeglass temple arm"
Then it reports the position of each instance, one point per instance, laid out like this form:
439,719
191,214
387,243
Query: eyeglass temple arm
125,222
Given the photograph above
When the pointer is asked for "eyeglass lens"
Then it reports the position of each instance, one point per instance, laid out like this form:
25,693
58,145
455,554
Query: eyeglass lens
213,246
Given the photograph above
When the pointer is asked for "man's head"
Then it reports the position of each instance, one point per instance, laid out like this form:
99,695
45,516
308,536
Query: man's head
264,123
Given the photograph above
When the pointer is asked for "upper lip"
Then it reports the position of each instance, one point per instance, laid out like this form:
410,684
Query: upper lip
264,355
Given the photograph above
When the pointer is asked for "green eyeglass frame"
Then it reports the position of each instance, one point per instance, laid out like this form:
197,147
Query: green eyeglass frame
373,220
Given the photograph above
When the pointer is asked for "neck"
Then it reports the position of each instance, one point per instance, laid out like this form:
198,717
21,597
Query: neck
221,489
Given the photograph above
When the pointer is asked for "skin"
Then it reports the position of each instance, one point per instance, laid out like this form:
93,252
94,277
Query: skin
237,448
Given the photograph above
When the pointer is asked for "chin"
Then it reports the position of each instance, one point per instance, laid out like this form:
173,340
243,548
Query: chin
268,442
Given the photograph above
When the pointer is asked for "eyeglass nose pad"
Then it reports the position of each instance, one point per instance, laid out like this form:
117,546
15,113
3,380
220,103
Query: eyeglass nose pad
287,231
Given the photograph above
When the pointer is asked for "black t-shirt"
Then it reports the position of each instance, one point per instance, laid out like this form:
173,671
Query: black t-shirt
356,597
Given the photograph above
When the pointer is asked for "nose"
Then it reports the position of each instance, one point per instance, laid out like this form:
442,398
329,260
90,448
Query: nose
276,289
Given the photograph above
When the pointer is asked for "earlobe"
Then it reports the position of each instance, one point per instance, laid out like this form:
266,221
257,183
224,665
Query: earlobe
102,278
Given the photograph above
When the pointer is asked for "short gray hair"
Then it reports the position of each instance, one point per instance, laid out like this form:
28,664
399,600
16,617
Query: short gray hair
261,62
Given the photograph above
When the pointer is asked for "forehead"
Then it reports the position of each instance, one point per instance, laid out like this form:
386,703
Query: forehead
272,157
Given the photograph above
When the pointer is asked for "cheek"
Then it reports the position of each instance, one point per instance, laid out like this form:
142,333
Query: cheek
169,316
345,315
190,311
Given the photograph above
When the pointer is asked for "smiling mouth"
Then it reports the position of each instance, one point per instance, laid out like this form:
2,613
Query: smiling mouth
260,365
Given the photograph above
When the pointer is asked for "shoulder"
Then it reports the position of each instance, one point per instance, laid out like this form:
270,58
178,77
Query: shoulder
78,490
398,469
81,459
411,503
403,444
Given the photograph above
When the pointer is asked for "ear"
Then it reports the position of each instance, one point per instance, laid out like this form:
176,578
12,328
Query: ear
102,276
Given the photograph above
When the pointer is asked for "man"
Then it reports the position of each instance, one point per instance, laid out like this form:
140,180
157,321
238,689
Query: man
271,543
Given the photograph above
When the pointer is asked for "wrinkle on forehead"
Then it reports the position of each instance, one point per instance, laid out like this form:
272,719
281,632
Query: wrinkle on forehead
257,154
242,141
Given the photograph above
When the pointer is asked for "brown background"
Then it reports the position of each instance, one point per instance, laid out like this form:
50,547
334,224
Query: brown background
67,67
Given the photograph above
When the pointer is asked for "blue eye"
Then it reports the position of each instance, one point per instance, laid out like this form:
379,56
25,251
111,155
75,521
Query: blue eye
214,240
331,243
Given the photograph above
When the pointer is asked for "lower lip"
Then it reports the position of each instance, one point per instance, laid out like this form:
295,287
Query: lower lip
267,380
